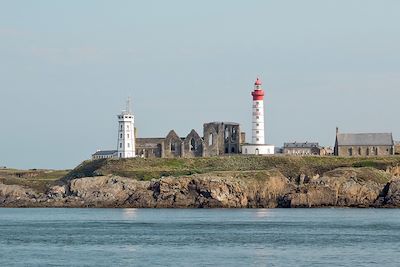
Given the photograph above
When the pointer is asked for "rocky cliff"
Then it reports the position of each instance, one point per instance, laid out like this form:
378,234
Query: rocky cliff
340,187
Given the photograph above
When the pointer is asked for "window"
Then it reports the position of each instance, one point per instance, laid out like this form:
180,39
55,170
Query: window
257,109
367,151
234,133
350,151
245,151
233,150
226,133
127,126
120,145
257,124
121,127
120,136
210,139
258,139
257,117
359,151
120,155
173,147
257,131
257,151
128,135
192,144
129,145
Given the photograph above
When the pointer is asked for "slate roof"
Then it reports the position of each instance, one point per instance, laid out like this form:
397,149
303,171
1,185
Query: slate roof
365,139
142,141
223,122
104,152
300,145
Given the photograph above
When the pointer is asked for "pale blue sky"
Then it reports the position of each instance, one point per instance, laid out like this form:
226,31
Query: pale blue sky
66,68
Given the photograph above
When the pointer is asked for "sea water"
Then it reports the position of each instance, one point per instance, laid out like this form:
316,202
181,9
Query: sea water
199,237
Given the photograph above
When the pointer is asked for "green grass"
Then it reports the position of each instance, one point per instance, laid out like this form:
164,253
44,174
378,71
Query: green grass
147,169
40,182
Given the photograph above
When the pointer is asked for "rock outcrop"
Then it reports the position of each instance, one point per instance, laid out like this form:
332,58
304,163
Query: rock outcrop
343,187
15,195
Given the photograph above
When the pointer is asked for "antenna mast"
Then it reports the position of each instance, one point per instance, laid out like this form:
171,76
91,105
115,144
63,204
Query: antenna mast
128,105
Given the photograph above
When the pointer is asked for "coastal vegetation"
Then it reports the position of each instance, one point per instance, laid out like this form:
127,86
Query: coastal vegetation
291,167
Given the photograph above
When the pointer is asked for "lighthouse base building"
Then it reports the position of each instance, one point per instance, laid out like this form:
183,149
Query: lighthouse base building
250,149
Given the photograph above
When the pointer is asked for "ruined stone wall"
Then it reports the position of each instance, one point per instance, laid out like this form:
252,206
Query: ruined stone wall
149,147
193,145
172,146
231,139
221,138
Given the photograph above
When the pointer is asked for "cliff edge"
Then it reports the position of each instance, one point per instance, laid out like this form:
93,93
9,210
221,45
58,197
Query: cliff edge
219,183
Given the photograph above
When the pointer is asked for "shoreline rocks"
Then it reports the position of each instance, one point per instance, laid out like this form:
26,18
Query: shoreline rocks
342,187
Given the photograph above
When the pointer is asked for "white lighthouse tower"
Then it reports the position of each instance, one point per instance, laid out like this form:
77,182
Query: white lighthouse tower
126,133
258,146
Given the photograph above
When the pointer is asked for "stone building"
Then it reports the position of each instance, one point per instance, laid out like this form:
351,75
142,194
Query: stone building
363,144
219,138
302,149
397,148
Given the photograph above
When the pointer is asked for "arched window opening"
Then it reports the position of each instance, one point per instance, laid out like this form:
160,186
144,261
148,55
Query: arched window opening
210,139
233,150
359,151
192,144
226,133
257,151
173,146
234,133
350,151
367,152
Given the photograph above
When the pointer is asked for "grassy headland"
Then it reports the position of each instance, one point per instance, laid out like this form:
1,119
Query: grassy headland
39,180
147,169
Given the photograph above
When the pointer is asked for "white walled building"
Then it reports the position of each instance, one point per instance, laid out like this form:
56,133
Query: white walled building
126,137
258,146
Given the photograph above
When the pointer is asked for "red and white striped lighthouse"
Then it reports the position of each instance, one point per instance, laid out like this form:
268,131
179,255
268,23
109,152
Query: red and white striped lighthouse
258,114
258,146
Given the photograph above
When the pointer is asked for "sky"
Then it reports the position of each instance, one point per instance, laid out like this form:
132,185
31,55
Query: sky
67,68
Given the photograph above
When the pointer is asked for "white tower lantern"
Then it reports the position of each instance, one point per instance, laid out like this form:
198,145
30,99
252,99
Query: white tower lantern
126,133
258,146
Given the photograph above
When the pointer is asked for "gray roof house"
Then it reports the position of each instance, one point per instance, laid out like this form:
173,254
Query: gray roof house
299,148
364,144
104,154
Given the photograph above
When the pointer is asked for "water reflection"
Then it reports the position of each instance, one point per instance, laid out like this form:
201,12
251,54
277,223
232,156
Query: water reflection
263,213
129,213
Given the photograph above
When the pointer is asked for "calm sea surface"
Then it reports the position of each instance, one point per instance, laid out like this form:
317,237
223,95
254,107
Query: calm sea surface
199,237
